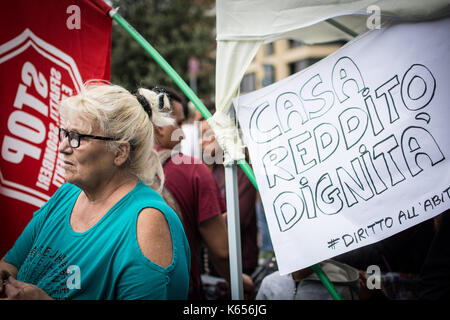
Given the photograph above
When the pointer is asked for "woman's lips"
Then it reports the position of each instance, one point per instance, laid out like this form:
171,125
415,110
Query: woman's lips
68,163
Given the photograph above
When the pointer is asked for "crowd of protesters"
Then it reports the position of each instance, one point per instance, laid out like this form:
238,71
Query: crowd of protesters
143,216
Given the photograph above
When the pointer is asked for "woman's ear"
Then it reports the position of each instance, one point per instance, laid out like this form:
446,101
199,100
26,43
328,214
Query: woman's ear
158,133
122,154
158,130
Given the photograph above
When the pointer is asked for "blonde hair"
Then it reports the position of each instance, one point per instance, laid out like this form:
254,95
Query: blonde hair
120,115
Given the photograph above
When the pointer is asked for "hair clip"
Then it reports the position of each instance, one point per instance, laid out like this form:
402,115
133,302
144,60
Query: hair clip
144,103
159,90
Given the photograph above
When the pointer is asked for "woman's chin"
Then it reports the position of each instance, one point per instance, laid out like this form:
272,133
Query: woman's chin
70,178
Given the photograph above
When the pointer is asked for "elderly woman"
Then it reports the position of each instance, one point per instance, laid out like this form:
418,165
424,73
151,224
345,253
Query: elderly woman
105,234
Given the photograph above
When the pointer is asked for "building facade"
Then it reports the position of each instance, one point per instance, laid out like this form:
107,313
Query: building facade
278,60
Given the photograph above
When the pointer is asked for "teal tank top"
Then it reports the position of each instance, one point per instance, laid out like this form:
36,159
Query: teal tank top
104,262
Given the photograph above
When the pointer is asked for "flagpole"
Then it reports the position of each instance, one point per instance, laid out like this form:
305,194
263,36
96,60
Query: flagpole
206,114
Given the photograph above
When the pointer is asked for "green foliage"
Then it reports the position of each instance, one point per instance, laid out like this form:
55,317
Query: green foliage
177,29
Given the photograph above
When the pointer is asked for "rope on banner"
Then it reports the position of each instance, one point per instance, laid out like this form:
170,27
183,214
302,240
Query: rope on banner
207,115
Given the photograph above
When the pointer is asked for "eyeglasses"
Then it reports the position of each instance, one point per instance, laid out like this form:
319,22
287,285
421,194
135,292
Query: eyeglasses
74,137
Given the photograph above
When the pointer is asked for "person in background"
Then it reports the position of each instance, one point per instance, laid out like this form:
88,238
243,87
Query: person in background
190,145
305,285
197,195
400,259
213,155
266,248
434,282
105,234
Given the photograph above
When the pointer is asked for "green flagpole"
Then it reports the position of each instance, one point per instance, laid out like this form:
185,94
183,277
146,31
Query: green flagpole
206,114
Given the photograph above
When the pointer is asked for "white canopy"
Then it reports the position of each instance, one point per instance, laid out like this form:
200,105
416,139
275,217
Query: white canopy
244,25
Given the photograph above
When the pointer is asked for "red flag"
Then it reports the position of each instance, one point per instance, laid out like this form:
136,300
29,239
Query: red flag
48,49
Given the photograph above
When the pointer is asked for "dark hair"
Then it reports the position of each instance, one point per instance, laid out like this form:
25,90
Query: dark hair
173,95
211,106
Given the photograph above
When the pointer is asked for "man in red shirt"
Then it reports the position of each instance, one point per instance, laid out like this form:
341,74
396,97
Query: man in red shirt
198,197
247,196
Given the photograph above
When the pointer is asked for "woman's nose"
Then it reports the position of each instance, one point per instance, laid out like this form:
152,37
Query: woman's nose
64,146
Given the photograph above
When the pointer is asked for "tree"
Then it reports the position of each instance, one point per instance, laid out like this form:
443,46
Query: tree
177,29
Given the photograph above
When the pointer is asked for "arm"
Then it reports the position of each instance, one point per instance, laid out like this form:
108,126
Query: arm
17,290
214,230
6,270
154,243
215,235
154,238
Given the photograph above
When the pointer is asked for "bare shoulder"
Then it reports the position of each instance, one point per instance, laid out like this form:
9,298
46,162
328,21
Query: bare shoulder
154,238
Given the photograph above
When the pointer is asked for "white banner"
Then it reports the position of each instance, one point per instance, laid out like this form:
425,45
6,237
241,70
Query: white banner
355,148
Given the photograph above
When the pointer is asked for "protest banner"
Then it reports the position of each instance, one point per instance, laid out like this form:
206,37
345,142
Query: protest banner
355,148
48,49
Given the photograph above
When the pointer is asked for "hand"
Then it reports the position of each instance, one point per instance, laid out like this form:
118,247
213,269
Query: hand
249,287
364,292
18,290
3,280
